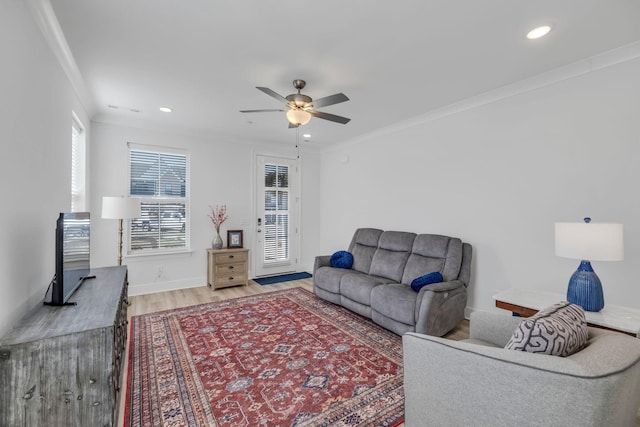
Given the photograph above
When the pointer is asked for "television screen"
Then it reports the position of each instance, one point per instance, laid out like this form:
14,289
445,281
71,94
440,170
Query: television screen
72,255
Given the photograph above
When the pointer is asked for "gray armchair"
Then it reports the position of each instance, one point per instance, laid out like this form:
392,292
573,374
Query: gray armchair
476,382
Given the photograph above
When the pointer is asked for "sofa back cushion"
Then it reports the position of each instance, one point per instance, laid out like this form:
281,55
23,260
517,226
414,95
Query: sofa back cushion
389,260
432,252
363,245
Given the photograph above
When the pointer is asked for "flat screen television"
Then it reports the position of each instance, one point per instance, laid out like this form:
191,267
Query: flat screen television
72,256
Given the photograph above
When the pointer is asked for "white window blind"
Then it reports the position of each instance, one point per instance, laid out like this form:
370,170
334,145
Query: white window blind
161,181
276,218
78,166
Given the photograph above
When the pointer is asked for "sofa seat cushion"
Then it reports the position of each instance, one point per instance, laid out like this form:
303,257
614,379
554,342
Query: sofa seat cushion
396,301
358,286
328,278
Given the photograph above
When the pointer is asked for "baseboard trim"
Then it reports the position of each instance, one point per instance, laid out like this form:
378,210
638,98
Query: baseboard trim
467,312
152,288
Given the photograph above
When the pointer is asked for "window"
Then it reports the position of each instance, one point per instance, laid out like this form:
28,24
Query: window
78,166
276,213
161,180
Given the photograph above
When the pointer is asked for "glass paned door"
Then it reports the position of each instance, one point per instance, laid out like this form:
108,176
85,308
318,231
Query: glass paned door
276,230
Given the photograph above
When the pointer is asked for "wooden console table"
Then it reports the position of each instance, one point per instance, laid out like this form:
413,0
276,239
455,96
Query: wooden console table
527,302
61,366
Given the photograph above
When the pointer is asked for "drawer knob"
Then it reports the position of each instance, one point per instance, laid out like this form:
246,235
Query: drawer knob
230,278
230,256
231,267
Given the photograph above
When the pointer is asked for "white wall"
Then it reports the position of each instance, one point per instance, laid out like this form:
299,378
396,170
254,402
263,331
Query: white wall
496,174
222,172
499,174
35,166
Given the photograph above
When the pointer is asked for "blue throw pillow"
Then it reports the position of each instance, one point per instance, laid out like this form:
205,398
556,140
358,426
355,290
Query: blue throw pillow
425,280
342,259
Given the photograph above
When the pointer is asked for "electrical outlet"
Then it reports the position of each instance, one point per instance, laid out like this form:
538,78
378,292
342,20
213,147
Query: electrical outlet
160,272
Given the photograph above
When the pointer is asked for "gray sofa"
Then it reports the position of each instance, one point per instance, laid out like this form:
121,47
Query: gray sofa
378,284
476,382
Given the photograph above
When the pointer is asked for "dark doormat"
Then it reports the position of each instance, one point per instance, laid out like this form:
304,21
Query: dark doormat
282,278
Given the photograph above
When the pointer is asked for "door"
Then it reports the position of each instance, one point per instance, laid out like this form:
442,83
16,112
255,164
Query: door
276,225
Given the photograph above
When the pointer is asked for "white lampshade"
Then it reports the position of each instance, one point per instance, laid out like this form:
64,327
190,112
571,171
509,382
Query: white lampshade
120,207
298,117
589,241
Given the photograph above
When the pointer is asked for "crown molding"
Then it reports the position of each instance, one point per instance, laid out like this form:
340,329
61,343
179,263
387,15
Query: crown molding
202,135
47,21
628,52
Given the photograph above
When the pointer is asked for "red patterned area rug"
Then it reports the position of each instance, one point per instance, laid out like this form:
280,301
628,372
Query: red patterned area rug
283,358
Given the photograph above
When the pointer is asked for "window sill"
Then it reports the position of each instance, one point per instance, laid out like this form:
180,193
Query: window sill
171,254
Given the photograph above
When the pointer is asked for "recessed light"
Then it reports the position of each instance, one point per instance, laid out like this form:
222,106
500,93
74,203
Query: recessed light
538,32
166,109
306,135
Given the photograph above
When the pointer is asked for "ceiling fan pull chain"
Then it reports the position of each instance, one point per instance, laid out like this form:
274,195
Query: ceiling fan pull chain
298,141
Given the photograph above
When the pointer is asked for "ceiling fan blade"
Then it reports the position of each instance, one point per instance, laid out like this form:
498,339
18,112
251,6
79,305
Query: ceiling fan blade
259,111
331,117
273,94
330,100
291,125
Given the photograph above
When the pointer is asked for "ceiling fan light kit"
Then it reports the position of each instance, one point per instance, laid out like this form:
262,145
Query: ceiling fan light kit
298,116
302,107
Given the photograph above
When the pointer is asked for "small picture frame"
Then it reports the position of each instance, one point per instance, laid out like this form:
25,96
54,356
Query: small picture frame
234,239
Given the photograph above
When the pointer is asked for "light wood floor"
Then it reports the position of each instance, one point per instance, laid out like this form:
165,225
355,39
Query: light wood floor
150,303
160,301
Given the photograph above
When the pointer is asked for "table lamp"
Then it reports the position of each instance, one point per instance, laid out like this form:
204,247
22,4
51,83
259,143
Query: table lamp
120,208
588,241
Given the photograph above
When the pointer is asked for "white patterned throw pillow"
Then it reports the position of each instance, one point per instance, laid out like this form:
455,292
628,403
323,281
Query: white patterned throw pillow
558,330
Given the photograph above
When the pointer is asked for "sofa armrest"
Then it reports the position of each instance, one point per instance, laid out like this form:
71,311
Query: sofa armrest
442,286
493,328
321,261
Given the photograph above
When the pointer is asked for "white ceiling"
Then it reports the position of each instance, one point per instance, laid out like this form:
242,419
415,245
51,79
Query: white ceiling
394,60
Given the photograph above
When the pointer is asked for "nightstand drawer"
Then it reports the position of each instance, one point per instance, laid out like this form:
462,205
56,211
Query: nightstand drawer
231,280
231,257
236,268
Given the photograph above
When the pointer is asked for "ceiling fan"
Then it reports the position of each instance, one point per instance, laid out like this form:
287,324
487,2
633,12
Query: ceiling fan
302,107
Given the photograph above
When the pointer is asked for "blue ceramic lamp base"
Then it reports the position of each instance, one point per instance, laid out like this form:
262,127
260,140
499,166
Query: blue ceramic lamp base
585,288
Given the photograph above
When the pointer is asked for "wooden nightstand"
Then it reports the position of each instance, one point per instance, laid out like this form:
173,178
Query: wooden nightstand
527,302
227,267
